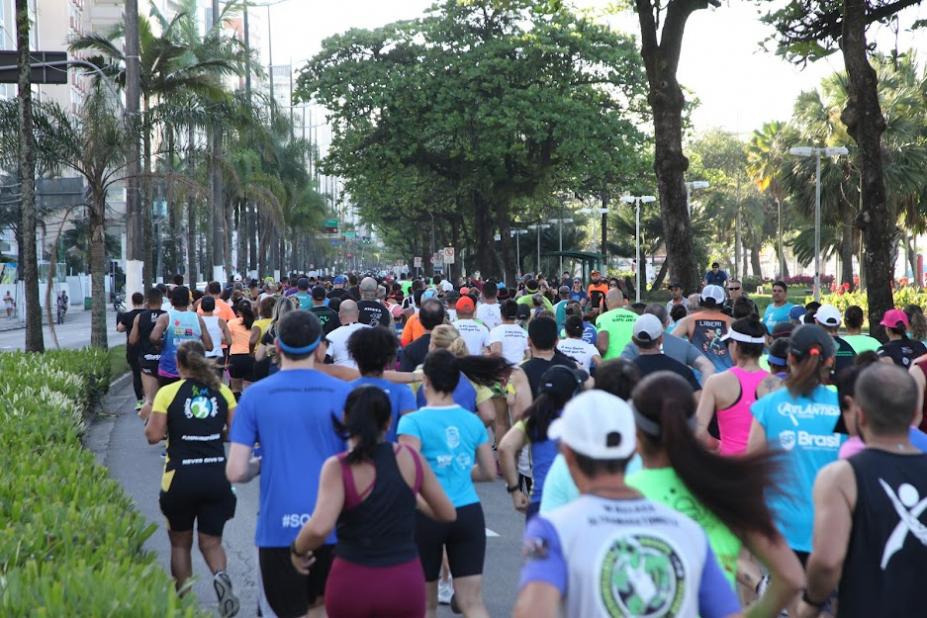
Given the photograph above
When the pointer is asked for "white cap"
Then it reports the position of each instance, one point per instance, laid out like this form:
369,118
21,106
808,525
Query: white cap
236,278
713,292
596,424
828,315
647,328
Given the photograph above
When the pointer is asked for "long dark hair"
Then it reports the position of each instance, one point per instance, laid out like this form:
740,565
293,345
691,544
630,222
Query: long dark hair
542,412
806,373
366,413
245,311
443,369
735,489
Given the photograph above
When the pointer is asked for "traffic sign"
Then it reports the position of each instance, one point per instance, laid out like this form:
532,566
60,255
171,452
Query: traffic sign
448,255
417,261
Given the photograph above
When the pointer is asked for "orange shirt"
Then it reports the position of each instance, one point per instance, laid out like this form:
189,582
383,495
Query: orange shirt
241,337
412,330
223,310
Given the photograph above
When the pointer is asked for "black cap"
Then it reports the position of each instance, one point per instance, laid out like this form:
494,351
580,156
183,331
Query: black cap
318,293
810,337
562,382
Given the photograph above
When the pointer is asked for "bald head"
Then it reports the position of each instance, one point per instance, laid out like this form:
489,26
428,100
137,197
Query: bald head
614,299
887,395
347,312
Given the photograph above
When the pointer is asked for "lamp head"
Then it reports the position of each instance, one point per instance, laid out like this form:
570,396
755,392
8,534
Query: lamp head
801,151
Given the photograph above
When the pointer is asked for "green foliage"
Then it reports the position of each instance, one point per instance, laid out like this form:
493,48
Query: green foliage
903,296
72,540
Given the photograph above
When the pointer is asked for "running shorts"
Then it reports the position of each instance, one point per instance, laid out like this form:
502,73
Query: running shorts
289,593
147,366
395,591
204,496
464,539
241,366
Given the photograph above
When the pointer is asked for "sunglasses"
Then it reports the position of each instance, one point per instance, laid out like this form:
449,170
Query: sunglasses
733,289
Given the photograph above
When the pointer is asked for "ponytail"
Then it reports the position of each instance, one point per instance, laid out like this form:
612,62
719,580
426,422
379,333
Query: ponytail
246,312
483,370
191,356
806,373
367,412
734,489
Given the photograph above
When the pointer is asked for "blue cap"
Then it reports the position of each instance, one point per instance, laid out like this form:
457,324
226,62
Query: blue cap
500,285
797,312
428,294
340,280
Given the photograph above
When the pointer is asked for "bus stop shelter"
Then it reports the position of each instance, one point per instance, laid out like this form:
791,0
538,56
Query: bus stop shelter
586,260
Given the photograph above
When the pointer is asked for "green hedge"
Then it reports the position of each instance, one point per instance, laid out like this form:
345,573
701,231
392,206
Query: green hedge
70,539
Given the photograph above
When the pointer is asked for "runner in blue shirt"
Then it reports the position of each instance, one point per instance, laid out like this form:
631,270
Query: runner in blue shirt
290,414
778,311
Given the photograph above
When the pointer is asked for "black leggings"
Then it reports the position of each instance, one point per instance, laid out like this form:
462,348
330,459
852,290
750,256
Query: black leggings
132,359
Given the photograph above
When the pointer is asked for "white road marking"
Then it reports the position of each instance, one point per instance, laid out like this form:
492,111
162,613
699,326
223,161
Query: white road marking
490,534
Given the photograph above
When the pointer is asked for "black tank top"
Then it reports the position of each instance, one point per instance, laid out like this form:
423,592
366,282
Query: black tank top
534,368
379,530
884,568
146,321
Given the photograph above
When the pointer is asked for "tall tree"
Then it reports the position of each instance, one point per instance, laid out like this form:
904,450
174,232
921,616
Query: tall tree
217,220
661,51
135,240
28,261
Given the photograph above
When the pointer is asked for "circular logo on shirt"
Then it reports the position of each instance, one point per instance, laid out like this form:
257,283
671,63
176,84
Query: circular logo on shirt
452,437
642,575
787,440
200,407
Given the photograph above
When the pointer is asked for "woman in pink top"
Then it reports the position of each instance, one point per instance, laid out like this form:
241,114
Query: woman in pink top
730,393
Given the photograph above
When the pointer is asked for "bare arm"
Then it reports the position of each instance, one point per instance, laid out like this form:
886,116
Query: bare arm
519,382
158,331
537,600
254,339
682,328
485,470
226,333
706,408
487,412
495,349
757,440
156,428
134,335
704,367
241,467
512,442
918,376
786,576
204,337
601,341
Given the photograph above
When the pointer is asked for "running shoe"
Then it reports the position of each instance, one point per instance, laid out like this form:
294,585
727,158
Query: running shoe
139,404
445,591
228,602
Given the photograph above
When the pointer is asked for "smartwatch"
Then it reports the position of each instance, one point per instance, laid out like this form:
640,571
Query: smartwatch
512,488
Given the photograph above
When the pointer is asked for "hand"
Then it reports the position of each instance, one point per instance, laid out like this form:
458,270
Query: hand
807,611
520,501
302,562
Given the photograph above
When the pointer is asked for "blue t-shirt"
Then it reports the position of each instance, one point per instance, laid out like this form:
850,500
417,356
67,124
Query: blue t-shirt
559,487
400,396
450,437
918,439
305,300
776,315
290,414
803,429
464,395
578,296
589,332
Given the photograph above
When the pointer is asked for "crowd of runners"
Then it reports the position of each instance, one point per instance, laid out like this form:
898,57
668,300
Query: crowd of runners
687,458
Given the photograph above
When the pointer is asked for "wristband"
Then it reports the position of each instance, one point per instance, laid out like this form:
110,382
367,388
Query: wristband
807,600
293,549
512,488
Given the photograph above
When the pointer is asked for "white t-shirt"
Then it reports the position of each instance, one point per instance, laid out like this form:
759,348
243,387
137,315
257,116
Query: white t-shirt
489,314
514,340
338,344
446,285
474,333
580,350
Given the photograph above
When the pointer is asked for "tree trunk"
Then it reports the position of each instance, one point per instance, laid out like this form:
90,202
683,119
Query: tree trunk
666,100
252,237
482,222
135,244
28,262
216,201
865,124
172,247
755,262
847,247
661,275
192,270
149,267
98,267
506,250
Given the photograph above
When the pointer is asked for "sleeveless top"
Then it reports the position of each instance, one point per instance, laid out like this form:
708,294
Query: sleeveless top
215,333
263,324
706,336
146,321
181,326
241,337
379,530
734,421
883,570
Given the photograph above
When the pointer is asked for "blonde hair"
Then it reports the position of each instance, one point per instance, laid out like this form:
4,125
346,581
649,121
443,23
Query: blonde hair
191,356
446,337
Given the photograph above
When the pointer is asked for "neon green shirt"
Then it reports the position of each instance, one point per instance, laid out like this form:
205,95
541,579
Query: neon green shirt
619,324
664,486
406,285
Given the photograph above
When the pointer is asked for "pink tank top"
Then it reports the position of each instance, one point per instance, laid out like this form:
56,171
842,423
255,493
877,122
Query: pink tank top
734,422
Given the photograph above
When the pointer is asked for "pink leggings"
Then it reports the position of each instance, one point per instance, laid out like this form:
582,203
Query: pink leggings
355,591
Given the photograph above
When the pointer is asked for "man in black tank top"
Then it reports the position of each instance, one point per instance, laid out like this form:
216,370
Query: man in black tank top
870,511
148,354
542,341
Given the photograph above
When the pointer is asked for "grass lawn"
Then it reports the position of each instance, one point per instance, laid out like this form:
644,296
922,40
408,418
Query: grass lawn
117,361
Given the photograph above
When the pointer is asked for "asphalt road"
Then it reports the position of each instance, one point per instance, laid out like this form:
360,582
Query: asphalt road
118,440
74,333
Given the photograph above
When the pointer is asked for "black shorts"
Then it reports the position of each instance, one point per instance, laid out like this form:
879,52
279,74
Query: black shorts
148,367
464,539
165,380
289,593
241,366
204,496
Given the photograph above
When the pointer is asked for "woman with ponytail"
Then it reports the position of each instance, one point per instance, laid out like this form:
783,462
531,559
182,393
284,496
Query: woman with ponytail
195,413
799,420
726,496
451,439
369,496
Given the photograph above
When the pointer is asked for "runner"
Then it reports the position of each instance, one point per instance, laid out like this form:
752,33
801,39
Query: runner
647,335
430,316
706,328
173,328
10,304
124,323
558,385
899,349
853,320
678,298
614,326
488,311
376,525
680,473
265,354
241,363
561,306
778,311
799,419
867,508
728,395
828,317
534,298
327,316
596,291
338,339
451,440
371,311
218,332
148,352
338,290
302,295
472,331
290,413
677,348
585,354
374,351
612,534
195,414
223,309
735,292
577,293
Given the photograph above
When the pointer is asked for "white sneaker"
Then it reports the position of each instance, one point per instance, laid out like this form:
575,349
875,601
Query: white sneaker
445,591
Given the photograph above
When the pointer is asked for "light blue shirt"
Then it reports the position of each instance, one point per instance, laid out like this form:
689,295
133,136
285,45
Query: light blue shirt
803,429
449,439
776,315
559,488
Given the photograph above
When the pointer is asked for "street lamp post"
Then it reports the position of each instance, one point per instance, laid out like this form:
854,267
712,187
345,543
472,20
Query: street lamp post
637,200
562,220
538,227
691,186
814,151
517,232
